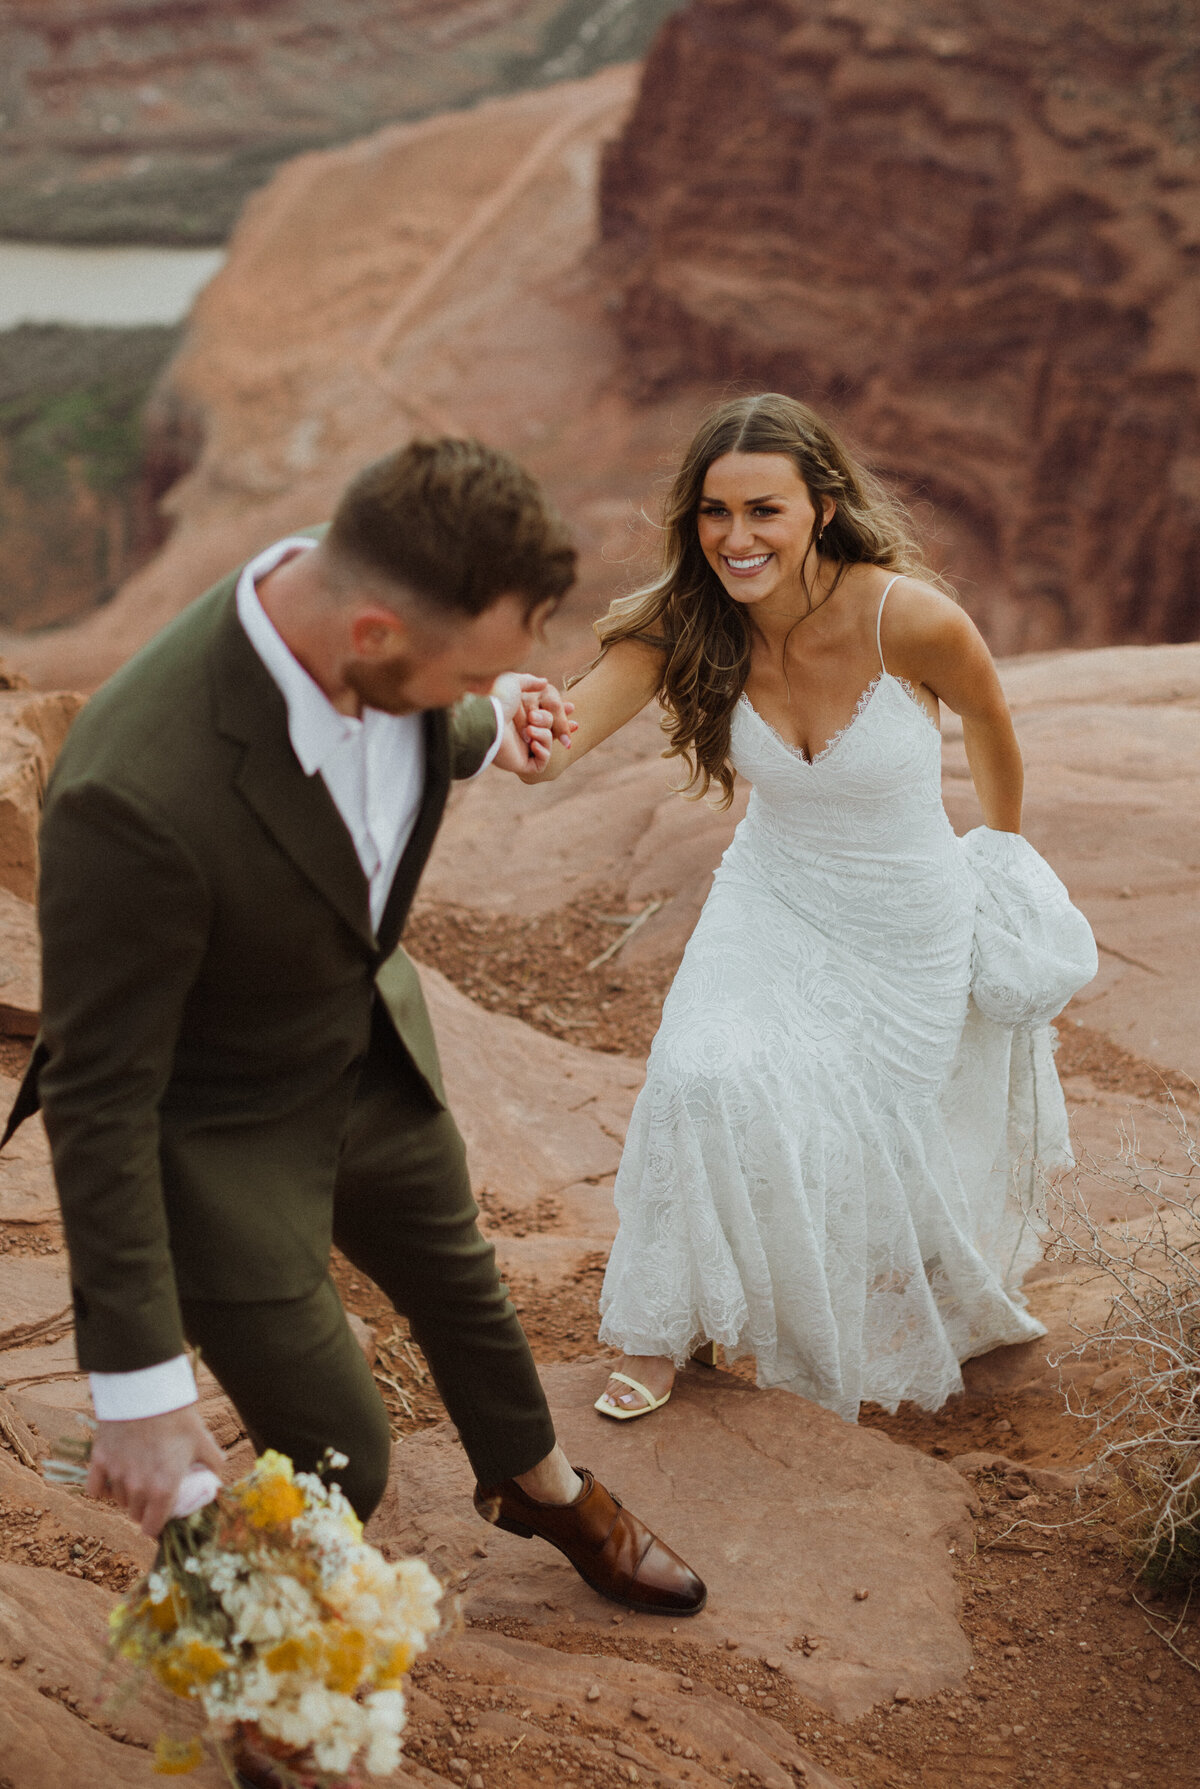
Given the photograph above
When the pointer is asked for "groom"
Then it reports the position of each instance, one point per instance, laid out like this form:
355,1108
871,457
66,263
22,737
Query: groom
236,1064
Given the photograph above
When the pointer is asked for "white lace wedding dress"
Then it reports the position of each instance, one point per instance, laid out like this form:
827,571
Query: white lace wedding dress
833,1162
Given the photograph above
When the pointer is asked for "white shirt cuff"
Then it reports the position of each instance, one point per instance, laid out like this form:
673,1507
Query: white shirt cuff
501,723
148,1391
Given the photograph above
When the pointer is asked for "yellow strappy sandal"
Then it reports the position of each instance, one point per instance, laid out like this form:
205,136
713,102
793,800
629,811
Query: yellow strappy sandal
624,1416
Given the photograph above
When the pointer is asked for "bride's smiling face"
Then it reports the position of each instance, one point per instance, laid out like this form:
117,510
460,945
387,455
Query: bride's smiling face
755,525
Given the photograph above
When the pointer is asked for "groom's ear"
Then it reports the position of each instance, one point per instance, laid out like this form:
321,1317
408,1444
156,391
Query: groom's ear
377,632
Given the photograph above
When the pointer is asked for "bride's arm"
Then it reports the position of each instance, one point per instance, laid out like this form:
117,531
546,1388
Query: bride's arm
936,643
613,691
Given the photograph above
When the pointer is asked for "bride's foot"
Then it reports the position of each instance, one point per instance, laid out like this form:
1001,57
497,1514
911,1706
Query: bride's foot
655,1372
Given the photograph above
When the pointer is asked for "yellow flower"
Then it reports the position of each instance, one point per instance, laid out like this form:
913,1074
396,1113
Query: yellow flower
183,1669
345,1660
268,1496
167,1615
273,1465
175,1757
394,1666
290,1655
274,1503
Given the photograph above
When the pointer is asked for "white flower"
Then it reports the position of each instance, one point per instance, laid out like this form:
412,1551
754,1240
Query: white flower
382,1754
385,1720
267,1607
333,1726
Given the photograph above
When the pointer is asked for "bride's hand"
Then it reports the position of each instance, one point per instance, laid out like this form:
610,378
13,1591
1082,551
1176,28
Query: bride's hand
536,715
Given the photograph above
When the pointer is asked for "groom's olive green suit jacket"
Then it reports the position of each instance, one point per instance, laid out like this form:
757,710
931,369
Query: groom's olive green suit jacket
209,971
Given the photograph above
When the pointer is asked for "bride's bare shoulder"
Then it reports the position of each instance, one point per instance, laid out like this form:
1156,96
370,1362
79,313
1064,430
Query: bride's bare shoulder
917,611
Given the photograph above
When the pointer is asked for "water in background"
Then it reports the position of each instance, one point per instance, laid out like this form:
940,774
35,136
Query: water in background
114,287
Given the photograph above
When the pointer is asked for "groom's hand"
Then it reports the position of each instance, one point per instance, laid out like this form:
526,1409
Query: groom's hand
536,714
141,1464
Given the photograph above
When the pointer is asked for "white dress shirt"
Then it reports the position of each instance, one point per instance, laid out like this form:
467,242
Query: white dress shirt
374,769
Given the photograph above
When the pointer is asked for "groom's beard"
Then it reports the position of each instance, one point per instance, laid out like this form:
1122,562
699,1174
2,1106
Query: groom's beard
387,687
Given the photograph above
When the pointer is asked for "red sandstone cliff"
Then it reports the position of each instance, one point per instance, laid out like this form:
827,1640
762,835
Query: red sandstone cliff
972,231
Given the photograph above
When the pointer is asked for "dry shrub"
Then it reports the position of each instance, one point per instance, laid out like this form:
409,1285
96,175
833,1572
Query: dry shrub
1146,1409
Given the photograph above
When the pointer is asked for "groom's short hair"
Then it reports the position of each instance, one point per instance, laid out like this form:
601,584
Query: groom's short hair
458,525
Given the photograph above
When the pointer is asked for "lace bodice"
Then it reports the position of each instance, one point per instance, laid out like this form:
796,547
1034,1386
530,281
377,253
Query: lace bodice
884,765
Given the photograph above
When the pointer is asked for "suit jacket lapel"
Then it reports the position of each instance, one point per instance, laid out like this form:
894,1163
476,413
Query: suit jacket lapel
297,810
429,817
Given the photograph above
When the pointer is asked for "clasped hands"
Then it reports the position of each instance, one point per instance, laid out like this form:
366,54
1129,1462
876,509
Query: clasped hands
536,714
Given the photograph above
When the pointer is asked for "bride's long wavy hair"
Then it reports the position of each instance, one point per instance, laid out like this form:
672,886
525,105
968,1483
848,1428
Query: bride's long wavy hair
685,612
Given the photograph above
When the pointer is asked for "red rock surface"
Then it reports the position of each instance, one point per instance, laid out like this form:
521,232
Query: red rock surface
52,1632
33,726
786,1509
971,230
20,966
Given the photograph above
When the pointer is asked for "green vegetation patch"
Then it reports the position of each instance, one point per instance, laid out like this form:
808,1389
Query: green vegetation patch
74,397
587,35
176,203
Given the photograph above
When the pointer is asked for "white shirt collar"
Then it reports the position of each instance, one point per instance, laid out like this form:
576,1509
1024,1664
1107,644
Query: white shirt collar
316,728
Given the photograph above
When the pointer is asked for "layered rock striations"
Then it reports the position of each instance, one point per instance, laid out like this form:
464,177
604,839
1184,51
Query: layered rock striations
151,120
975,235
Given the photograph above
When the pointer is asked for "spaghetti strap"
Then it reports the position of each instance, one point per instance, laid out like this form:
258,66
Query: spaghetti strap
879,620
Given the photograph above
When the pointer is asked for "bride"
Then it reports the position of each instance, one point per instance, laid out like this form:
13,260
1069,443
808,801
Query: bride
833,1163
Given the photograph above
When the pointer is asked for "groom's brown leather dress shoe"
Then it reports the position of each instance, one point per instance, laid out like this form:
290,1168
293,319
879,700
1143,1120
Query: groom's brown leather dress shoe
609,1548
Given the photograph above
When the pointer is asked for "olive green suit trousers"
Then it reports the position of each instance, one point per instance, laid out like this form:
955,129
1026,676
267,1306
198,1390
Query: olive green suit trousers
403,1213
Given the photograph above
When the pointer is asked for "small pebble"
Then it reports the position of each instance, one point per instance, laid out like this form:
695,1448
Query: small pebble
731,1644
593,1694
774,1662
475,1782
860,1596
642,1710
685,1683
